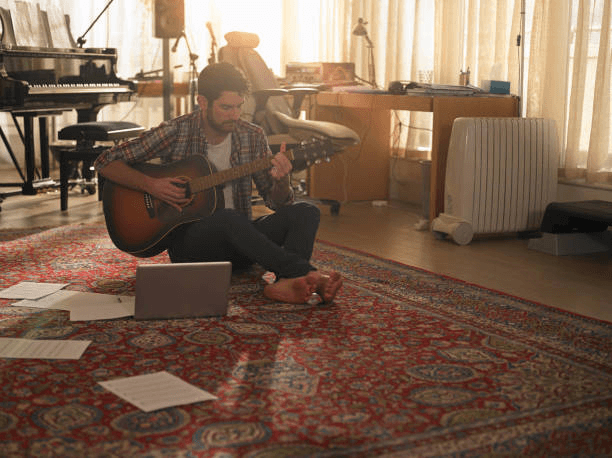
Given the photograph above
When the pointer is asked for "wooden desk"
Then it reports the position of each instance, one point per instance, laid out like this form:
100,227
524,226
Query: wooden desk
362,172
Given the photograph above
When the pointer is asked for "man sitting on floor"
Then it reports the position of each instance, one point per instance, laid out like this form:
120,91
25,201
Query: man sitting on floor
281,242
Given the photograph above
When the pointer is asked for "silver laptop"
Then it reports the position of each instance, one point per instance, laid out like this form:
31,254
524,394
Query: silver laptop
182,290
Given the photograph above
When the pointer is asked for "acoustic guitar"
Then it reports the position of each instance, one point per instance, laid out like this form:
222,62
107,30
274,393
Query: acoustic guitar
140,224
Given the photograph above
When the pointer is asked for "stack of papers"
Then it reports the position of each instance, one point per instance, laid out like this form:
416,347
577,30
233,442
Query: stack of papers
442,89
83,306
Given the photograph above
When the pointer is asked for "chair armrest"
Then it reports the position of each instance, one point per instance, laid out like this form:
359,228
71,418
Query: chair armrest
301,91
298,93
340,136
261,97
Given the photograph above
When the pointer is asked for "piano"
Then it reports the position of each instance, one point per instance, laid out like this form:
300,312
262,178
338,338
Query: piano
42,81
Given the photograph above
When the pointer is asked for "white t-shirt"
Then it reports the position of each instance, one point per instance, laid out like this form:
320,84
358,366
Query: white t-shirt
219,156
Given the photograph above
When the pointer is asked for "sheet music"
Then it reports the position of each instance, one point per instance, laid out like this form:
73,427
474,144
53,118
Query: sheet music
156,391
55,300
11,347
30,290
60,35
84,306
106,308
27,25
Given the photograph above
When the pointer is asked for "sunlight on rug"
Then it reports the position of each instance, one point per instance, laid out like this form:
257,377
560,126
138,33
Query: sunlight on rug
404,363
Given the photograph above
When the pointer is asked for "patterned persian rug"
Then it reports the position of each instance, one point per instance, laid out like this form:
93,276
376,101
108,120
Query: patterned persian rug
404,363
12,234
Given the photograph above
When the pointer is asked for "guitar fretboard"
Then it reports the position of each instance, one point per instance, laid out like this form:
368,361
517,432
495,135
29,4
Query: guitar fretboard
210,181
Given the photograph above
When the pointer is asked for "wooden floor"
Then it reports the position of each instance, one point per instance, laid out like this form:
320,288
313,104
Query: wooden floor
580,284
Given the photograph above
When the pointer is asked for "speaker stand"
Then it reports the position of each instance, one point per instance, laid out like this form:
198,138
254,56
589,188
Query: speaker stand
167,79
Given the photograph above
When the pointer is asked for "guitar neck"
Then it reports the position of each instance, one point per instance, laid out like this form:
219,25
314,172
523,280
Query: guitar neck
210,181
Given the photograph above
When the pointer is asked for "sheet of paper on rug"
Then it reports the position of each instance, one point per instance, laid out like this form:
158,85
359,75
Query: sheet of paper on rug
30,290
156,391
13,347
56,300
84,306
106,308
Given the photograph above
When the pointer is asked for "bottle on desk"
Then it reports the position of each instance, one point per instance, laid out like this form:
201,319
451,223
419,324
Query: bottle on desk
464,77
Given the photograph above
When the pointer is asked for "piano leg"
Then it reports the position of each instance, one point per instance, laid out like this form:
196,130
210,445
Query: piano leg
44,146
30,183
30,158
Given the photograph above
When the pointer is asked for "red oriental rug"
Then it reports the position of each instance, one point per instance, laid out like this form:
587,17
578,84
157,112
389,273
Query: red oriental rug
404,363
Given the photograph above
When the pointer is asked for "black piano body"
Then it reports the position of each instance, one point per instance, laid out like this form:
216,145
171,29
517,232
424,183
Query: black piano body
38,82
33,79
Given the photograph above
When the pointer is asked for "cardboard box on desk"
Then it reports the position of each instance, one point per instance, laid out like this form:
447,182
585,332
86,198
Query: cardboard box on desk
320,72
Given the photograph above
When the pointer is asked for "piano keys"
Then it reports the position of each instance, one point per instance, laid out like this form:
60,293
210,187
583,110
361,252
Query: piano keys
42,81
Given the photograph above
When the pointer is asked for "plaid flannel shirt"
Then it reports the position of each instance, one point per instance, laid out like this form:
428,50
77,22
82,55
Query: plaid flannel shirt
181,137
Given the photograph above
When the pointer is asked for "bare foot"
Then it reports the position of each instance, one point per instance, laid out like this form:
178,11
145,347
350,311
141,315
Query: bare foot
327,285
293,290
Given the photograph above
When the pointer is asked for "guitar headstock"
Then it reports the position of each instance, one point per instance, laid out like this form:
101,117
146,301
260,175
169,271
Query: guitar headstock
311,152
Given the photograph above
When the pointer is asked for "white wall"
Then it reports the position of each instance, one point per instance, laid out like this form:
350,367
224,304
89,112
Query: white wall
572,193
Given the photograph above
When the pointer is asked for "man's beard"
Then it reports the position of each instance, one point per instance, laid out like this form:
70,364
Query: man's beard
222,128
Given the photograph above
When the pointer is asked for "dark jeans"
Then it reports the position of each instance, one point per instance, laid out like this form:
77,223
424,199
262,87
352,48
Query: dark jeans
281,242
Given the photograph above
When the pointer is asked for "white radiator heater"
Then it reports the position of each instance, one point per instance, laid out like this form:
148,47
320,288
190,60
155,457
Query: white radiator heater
501,173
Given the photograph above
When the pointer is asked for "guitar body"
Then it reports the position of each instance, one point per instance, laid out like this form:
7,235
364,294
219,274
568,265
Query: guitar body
139,224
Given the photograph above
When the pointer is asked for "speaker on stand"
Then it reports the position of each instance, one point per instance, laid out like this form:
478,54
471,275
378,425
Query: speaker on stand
168,22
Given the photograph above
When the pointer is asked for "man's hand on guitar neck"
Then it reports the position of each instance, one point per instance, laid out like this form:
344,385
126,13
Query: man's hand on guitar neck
281,166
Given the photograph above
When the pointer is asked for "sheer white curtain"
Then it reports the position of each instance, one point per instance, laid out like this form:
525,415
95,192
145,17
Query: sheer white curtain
568,54
403,35
568,65
289,30
589,143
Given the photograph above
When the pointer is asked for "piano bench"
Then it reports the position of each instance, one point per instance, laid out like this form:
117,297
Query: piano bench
100,131
86,134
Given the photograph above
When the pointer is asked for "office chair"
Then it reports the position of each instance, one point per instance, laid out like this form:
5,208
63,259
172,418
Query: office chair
269,107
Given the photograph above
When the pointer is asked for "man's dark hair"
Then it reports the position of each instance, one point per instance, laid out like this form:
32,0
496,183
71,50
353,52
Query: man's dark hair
219,77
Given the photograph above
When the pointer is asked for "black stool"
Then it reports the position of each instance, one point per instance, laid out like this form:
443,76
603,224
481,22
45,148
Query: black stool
86,134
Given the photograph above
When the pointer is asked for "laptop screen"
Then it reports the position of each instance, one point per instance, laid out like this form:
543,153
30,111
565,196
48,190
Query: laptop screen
182,290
